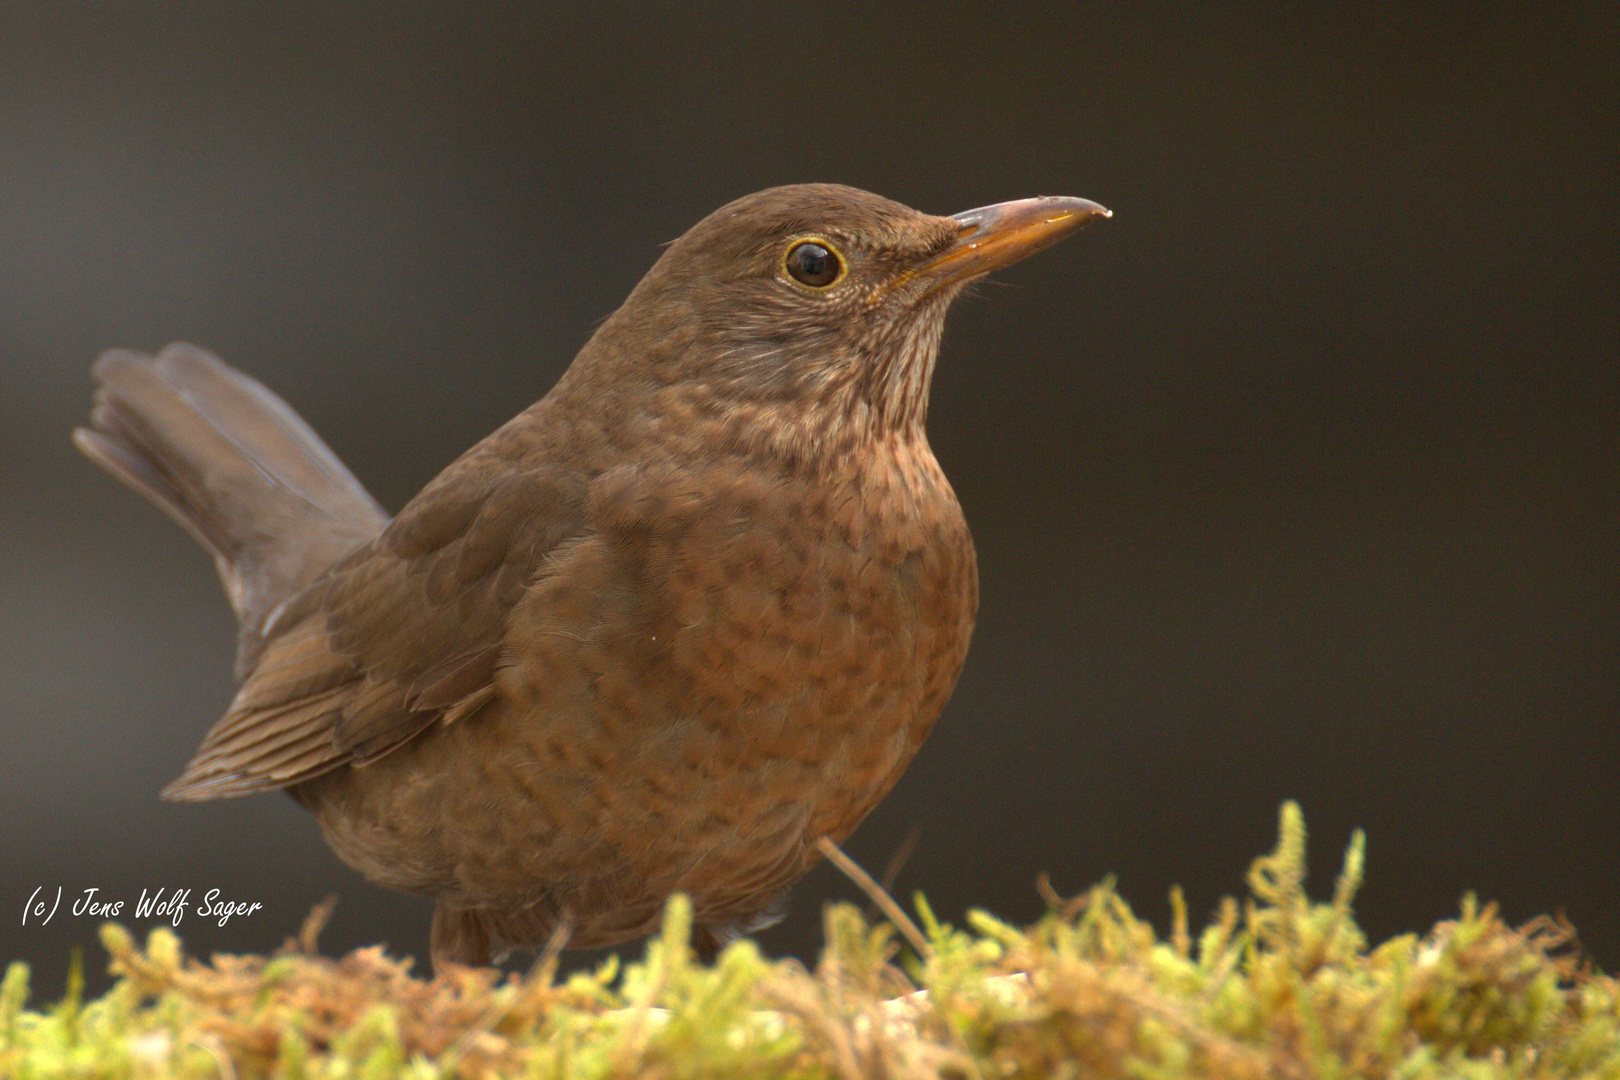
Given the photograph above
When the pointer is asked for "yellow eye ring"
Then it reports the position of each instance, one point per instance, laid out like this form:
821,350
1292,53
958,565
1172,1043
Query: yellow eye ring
814,262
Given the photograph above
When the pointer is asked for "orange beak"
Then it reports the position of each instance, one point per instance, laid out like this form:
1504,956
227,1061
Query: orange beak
995,236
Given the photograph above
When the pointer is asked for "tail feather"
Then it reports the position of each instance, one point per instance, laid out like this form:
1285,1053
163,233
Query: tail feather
235,467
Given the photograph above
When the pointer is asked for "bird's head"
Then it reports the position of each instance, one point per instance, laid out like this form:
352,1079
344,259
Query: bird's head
819,302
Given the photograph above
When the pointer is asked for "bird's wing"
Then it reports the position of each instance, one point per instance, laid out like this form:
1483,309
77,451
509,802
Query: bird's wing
403,633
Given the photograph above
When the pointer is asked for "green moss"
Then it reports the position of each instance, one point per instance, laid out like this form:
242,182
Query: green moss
1277,986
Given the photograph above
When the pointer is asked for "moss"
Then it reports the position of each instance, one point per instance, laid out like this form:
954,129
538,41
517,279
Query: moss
1277,986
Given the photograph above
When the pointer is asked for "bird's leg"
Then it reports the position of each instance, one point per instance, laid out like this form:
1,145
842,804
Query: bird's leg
459,937
707,943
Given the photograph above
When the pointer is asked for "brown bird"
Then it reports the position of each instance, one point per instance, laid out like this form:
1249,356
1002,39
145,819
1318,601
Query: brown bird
689,613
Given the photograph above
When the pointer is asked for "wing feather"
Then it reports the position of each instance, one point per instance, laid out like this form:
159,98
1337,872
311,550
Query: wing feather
403,633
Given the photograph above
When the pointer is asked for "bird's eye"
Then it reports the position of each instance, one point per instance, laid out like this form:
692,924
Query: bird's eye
815,264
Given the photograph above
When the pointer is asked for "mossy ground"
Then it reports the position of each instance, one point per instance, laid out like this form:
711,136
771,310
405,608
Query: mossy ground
1278,986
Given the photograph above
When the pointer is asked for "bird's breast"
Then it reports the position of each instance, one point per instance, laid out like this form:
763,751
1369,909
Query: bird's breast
786,637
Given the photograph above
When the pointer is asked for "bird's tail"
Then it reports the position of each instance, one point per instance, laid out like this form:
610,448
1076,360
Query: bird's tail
236,467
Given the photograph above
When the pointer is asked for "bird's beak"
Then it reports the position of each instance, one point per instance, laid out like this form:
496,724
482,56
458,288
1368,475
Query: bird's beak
995,236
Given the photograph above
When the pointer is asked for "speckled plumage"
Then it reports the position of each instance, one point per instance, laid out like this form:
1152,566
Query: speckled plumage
692,611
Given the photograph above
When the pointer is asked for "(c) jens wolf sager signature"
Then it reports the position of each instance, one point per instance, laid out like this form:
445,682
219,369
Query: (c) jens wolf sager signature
168,904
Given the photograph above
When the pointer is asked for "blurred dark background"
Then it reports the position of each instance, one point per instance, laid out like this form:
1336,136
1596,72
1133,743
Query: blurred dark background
1297,479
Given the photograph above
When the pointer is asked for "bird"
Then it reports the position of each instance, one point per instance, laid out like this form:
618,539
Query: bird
684,617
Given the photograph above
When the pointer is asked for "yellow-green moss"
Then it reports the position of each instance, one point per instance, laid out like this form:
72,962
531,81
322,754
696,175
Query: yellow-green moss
1275,987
